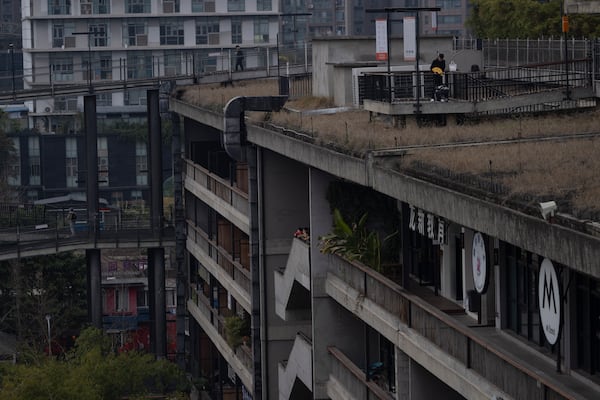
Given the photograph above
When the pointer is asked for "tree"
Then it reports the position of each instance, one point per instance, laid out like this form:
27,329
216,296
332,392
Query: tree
92,372
35,287
527,19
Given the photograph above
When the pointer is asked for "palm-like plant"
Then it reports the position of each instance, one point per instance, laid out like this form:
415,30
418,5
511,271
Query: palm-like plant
353,241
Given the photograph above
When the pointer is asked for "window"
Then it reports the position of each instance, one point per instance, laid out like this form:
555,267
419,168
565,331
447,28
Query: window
449,19
142,298
122,299
95,7
135,34
141,164
171,33
104,99
236,5
264,5
445,4
105,70
59,7
207,32
203,5
261,30
137,6
14,165
135,97
98,35
71,161
172,63
139,65
35,168
236,31
102,161
62,35
62,67
170,6
587,339
64,103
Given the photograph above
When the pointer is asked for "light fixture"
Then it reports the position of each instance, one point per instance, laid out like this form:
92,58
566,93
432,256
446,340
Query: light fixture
548,209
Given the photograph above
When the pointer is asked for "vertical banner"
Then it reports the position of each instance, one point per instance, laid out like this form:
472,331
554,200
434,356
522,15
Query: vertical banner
410,39
434,21
381,40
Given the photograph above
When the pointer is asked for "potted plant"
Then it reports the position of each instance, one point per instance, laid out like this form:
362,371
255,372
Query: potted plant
236,328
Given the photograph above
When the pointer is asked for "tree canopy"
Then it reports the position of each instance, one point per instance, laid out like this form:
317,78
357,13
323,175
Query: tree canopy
527,19
90,371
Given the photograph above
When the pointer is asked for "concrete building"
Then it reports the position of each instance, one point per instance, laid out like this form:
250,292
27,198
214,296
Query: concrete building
481,297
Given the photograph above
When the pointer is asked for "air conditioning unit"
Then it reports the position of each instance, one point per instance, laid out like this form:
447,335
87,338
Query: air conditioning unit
48,109
69,41
168,7
213,38
141,40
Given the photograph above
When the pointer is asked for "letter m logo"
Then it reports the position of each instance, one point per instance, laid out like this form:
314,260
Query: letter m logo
548,293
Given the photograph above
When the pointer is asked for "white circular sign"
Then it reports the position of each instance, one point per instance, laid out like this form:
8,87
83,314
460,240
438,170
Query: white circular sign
478,263
550,301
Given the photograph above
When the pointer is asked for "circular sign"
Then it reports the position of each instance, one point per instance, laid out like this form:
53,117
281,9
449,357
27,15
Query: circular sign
549,300
479,264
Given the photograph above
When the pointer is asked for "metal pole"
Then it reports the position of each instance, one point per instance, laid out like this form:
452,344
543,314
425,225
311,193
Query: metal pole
11,46
48,317
389,55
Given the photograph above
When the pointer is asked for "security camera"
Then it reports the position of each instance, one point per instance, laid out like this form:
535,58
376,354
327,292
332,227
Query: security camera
548,208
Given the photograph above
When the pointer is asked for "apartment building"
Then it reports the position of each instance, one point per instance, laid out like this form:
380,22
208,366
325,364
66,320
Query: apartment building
483,298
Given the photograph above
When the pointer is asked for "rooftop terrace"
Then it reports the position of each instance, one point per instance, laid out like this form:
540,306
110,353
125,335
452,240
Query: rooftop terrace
514,159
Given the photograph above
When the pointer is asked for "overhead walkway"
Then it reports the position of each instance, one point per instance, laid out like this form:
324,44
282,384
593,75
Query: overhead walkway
19,242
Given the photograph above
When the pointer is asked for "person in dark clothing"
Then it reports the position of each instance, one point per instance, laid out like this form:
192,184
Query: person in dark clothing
438,66
239,58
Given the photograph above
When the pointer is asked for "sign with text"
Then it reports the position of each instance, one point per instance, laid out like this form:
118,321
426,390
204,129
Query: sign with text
550,301
381,40
427,224
479,263
410,39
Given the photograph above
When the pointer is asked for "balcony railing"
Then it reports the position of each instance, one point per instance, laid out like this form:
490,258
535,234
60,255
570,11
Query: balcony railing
233,268
353,379
218,186
242,352
470,348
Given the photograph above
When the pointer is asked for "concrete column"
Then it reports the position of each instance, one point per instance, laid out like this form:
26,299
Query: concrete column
156,284
91,157
182,275
94,283
402,375
155,161
256,322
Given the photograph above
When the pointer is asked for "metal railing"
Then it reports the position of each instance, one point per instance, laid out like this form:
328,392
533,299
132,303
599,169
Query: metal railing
232,195
454,338
353,379
232,267
478,85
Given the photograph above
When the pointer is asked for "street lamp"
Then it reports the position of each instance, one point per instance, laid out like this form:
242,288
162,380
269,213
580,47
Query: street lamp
48,318
11,48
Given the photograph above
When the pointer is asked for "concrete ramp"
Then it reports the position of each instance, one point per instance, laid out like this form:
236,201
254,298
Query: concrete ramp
298,367
292,284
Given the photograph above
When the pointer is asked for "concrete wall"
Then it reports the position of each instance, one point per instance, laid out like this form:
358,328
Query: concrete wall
425,386
284,190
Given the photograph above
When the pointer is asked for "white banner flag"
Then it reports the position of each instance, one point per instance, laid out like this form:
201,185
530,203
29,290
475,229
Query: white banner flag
381,40
410,39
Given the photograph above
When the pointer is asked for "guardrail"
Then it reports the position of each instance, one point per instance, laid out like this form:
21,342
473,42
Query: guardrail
232,195
477,86
233,268
459,341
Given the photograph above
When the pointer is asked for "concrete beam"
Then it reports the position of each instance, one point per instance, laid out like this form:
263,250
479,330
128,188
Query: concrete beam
566,246
582,7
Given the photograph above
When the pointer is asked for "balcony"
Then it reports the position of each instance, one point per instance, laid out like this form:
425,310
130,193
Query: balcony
229,272
292,284
481,362
213,324
229,201
348,381
297,367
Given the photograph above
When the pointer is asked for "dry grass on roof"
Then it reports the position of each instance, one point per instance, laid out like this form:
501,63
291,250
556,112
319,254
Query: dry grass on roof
215,96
